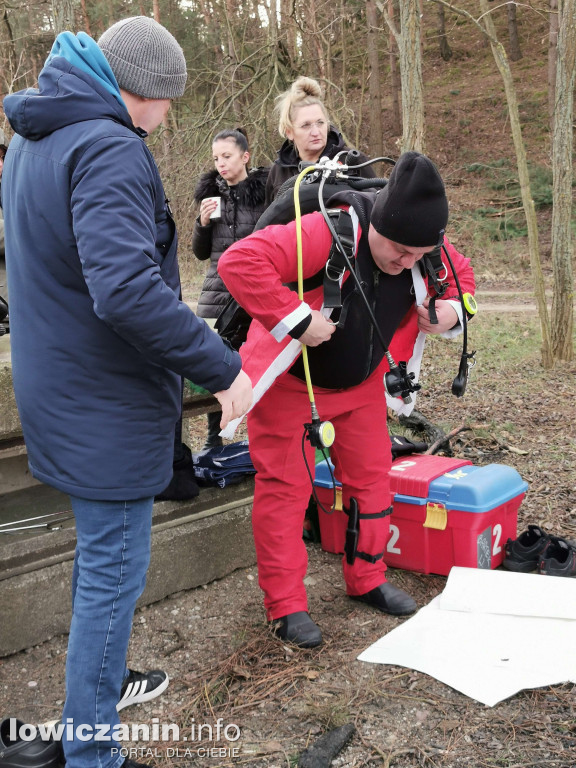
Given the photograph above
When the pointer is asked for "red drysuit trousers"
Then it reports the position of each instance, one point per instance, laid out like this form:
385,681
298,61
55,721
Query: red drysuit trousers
362,459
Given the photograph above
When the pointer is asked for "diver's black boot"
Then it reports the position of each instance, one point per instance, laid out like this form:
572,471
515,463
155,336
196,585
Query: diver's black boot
388,599
298,629
213,439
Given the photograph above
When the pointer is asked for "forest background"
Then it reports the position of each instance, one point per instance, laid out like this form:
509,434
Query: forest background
421,74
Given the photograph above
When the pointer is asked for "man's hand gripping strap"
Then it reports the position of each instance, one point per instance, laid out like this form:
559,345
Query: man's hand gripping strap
353,532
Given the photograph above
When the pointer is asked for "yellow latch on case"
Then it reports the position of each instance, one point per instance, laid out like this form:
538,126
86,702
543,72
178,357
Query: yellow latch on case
338,505
436,516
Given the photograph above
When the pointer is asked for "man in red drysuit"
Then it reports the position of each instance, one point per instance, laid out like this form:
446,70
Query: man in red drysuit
402,223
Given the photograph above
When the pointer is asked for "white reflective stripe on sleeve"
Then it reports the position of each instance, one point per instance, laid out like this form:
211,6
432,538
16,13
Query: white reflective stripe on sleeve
285,325
457,329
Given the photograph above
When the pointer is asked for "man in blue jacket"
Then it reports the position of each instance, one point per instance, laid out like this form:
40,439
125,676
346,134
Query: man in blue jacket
100,339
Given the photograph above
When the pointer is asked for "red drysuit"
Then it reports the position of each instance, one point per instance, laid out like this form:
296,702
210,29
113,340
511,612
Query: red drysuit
255,271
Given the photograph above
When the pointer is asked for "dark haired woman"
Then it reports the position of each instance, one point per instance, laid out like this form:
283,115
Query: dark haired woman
240,194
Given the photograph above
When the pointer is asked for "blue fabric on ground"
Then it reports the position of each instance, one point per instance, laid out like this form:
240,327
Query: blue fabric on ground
224,465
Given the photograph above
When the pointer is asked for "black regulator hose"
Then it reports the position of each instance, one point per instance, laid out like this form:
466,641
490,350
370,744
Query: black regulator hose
363,183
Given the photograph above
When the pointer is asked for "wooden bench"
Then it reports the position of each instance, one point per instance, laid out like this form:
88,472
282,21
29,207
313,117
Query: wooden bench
193,542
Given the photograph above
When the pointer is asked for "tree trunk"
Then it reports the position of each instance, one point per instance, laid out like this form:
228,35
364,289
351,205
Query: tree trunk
63,15
501,60
343,38
86,18
311,22
562,252
411,77
552,58
376,137
395,87
445,50
210,22
9,58
515,52
288,32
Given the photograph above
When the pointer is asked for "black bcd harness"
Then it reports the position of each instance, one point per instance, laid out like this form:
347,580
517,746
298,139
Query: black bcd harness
233,321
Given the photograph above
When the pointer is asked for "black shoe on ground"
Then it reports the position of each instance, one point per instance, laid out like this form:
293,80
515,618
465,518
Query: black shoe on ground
142,686
17,753
388,599
298,629
183,484
524,553
559,558
213,439
133,764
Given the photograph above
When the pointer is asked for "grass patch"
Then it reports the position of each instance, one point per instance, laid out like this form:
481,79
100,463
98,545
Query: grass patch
503,218
508,349
501,341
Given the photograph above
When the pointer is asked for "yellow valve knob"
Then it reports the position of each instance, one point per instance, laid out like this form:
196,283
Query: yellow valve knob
327,433
470,304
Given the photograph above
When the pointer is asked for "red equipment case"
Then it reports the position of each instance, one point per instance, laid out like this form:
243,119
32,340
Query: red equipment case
446,512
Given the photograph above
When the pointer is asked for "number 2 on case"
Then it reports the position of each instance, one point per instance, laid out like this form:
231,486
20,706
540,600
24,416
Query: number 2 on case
394,536
497,533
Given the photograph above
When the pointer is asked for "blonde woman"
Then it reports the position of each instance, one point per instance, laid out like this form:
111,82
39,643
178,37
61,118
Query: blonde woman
304,123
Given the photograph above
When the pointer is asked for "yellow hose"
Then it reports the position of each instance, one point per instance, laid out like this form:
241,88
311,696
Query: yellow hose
300,266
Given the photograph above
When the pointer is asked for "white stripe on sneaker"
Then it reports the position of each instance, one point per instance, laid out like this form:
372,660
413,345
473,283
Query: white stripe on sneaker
137,693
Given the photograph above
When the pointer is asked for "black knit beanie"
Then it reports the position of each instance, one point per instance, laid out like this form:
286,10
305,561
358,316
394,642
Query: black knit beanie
412,209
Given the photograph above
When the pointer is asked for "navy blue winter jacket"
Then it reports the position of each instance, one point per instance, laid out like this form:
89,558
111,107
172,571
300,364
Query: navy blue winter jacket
99,337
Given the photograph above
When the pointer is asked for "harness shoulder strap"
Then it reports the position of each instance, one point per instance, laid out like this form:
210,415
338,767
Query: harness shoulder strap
436,271
337,263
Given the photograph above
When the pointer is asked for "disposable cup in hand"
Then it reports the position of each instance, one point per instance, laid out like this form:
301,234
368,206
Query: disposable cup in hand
217,212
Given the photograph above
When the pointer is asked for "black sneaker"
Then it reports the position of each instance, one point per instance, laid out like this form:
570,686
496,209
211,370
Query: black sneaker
559,559
142,686
524,553
133,764
17,753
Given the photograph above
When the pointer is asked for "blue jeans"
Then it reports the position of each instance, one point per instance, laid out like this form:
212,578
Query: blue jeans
112,556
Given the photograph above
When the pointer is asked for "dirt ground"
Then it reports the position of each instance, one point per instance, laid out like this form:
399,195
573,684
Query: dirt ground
214,643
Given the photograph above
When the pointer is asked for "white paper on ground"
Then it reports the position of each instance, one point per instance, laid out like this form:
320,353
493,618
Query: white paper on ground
490,634
513,594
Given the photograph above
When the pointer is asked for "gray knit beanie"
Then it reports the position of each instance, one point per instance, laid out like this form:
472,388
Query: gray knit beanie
145,58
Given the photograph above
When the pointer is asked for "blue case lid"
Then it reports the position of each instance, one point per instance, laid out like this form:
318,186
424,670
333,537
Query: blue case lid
477,489
471,488
468,488
323,478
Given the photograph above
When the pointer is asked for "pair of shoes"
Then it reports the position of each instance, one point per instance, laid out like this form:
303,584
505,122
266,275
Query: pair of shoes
559,559
524,553
388,599
142,686
298,629
16,752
